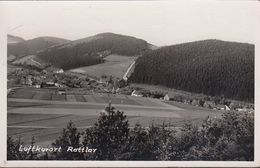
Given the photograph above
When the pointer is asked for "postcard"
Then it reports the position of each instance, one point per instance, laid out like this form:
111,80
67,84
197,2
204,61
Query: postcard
130,83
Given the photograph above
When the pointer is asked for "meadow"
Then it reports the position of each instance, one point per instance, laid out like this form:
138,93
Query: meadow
114,65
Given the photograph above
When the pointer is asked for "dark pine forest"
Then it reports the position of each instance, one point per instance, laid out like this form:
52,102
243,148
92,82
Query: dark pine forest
211,67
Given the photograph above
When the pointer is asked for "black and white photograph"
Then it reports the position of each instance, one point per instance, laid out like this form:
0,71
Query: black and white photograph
130,81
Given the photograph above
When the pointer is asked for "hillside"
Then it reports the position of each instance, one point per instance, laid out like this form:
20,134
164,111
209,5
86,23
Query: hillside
92,50
30,61
211,67
30,47
114,65
14,39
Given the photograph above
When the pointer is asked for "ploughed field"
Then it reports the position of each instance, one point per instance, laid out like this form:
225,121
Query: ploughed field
43,113
114,65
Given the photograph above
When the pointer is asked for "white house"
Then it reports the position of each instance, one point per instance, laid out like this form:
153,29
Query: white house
38,86
227,108
59,85
242,109
136,93
166,97
59,71
61,91
50,83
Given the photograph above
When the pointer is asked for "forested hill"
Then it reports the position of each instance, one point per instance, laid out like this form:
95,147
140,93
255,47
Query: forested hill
14,39
29,47
212,67
91,50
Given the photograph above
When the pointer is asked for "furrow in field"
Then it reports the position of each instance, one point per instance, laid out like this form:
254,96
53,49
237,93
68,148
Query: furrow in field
45,119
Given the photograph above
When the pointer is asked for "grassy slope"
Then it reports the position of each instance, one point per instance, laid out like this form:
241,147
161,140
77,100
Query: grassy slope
114,65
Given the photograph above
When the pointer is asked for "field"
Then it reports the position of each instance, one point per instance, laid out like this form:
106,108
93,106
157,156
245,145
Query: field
114,65
43,113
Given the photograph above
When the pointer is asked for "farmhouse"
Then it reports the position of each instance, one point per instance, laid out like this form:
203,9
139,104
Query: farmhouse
227,108
136,93
26,80
242,109
209,104
37,86
47,84
168,97
59,85
50,83
59,71
29,80
195,102
61,92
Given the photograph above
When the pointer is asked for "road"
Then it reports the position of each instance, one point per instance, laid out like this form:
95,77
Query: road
125,77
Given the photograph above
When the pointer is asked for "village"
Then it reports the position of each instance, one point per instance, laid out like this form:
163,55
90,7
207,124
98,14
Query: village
80,84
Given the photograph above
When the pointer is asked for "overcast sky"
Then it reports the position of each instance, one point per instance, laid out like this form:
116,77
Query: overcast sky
158,22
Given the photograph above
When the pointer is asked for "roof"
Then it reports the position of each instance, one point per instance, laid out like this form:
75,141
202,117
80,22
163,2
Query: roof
136,92
171,95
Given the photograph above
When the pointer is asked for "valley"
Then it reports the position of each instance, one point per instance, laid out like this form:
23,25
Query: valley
143,83
48,86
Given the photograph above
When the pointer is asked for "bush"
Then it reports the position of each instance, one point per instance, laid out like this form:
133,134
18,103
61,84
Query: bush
229,138
70,137
109,135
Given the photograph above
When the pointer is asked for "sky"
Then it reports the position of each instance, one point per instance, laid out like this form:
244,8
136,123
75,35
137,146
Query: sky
158,22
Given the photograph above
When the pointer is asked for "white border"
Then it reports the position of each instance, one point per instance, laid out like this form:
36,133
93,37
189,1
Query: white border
3,123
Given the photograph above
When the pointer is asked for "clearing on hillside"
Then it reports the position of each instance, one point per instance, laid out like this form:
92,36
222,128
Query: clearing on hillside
114,65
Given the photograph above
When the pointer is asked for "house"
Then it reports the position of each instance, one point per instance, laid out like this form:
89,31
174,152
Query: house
227,108
59,71
43,77
113,90
223,107
103,80
242,109
23,80
61,92
50,83
209,104
29,80
195,102
37,86
59,85
168,97
136,93
47,84
117,90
